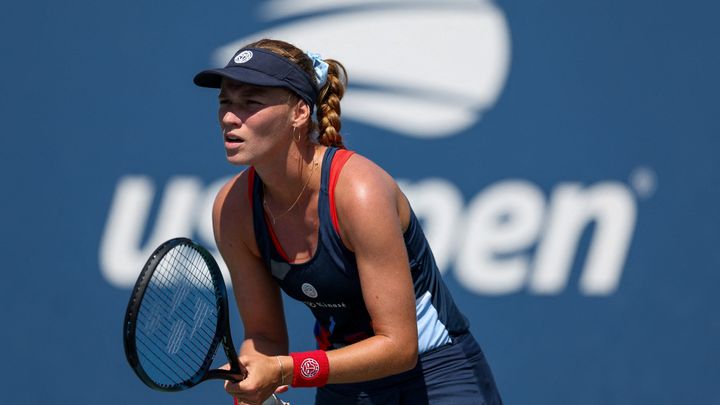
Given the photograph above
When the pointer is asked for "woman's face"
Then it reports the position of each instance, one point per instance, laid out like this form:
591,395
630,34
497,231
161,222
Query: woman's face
255,121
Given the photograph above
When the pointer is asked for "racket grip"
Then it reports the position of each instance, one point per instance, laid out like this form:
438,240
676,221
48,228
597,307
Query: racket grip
273,400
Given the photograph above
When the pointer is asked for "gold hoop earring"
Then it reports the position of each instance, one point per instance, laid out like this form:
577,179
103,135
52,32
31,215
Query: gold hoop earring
297,138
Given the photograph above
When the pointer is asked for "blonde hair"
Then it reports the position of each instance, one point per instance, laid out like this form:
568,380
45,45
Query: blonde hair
329,96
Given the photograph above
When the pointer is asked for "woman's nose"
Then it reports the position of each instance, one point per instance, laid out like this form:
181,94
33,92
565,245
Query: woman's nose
230,119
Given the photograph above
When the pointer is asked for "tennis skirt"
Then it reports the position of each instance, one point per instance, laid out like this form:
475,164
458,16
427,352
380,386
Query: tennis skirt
453,374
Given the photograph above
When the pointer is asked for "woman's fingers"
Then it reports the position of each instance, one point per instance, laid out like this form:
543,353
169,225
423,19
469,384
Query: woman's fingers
260,382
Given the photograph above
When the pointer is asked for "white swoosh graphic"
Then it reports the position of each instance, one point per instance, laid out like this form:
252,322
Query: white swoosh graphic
419,71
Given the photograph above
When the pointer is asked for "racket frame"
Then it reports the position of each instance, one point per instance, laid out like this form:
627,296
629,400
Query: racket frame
222,330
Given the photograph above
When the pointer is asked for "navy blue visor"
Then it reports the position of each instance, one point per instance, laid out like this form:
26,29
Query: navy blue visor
261,67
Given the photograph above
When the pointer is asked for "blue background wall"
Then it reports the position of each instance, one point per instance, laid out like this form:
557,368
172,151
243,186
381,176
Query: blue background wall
93,92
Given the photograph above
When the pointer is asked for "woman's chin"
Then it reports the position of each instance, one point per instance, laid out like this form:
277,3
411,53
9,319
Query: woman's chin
235,159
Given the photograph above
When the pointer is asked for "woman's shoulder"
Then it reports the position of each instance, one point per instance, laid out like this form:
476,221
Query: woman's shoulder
360,173
363,188
234,193
368,201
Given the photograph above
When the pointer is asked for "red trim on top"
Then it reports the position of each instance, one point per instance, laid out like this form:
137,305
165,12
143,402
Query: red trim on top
275,239
341,157
251,185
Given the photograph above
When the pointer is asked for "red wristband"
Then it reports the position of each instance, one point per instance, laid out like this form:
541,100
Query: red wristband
310,369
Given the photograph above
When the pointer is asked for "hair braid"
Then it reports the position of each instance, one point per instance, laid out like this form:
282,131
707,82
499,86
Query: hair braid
329,105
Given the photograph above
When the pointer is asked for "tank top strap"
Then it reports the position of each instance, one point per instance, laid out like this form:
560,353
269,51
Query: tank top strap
325,171
262,236
335,160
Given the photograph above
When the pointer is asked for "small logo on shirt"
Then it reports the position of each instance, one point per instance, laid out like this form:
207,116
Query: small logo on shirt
243,57
309,290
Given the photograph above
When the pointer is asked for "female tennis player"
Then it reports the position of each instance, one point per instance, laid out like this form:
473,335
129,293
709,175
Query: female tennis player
332,230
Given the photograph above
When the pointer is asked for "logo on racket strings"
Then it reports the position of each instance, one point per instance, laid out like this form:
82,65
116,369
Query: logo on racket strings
177,337
309,368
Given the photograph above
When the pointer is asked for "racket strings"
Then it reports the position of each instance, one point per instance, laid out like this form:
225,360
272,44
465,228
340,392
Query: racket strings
178,318
168,343
165,366
177,283
166,331
158,348
154,301
166,276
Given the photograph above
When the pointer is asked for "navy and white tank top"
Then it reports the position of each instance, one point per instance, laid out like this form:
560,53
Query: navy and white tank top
329,284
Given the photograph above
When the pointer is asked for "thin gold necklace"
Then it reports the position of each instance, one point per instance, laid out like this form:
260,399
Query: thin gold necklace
267,208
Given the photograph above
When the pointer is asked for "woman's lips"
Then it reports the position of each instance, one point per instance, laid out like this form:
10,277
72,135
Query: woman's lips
232,141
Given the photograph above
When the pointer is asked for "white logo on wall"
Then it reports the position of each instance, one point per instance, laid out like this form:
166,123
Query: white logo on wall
418,68
509,236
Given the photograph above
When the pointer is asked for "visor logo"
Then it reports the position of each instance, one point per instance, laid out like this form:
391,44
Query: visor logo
243,57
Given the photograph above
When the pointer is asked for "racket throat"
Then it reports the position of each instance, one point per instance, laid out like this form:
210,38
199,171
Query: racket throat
230,375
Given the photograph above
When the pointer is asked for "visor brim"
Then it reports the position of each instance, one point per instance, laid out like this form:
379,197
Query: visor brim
212,78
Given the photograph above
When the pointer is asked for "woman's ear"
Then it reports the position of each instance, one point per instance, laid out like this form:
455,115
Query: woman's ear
300,114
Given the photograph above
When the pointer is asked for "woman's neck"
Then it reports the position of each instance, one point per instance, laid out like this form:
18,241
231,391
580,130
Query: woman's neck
284,183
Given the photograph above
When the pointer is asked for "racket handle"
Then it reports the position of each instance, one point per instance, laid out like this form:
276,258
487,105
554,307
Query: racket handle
274,400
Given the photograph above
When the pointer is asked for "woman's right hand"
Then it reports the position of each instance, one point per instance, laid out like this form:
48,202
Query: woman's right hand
263,379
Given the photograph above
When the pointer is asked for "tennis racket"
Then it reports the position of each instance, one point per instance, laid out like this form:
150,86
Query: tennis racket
176,319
